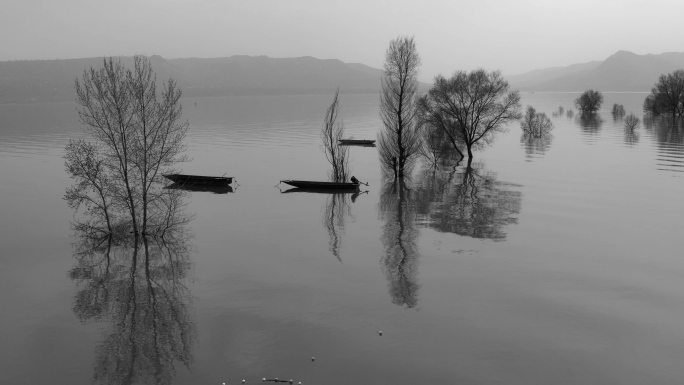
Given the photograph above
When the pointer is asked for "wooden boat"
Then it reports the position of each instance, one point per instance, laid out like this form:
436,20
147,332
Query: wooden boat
357,142
322,191
199,180
313,185
202,188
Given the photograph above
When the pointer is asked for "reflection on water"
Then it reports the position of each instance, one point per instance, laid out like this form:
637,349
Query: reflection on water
535,144
589,123
337,209
137,286
399,236
200,188
669,139
468,201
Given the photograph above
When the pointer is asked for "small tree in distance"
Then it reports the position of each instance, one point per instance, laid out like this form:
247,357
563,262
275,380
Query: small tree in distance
589,102
535,124
631,122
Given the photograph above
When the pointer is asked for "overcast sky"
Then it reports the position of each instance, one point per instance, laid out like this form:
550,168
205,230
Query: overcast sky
510,35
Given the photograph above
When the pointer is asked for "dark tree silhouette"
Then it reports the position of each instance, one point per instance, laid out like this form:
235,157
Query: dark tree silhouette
331,133
589,102
631,122
667,96
137,138
469,108
399,236
399,141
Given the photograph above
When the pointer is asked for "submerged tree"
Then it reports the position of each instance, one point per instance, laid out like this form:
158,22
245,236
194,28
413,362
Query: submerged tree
137,137
589,102
631,122
618,111
470,108
399,141
535,124
536,128
667,96
331,134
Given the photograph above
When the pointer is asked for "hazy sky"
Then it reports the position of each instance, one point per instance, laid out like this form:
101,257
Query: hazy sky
510,35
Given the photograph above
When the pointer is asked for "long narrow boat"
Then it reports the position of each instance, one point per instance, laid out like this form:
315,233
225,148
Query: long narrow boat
200,180
313,185
357,142
322,191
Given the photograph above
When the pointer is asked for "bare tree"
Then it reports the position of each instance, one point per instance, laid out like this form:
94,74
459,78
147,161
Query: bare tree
158,136
535,124
331,133
631,122
399,141
92,188
137,133
667,95
589,102
470,108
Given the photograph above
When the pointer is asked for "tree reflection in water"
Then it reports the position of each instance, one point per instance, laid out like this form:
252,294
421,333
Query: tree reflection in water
536,144
337,209
467,201
589,123
399,236
137,285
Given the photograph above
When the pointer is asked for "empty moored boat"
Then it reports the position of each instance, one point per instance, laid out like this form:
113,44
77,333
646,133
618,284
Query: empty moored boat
357,142
199,180
314,185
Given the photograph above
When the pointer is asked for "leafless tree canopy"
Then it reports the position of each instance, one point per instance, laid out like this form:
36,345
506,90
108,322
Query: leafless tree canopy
535,124
399,141
631,122
470,108
589,102
332,132
667,95
137,137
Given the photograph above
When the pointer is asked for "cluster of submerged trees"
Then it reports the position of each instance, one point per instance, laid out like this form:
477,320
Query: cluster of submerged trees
458,115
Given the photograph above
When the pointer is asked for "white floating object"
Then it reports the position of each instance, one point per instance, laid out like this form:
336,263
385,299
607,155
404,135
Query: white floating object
313,358
380,332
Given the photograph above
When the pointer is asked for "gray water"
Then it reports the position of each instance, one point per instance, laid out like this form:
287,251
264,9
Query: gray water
550,263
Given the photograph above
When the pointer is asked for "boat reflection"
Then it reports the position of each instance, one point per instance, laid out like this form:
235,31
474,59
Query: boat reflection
467,200
137,286
400,233
202,188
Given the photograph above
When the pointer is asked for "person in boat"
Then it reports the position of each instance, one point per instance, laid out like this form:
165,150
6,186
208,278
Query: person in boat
354,180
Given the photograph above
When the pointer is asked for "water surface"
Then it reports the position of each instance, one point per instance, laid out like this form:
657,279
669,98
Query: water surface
554,261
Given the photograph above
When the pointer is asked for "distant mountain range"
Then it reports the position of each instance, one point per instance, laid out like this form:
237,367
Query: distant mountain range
622,71
53,80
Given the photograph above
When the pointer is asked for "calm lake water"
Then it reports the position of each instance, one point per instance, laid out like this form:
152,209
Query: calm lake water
555,262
